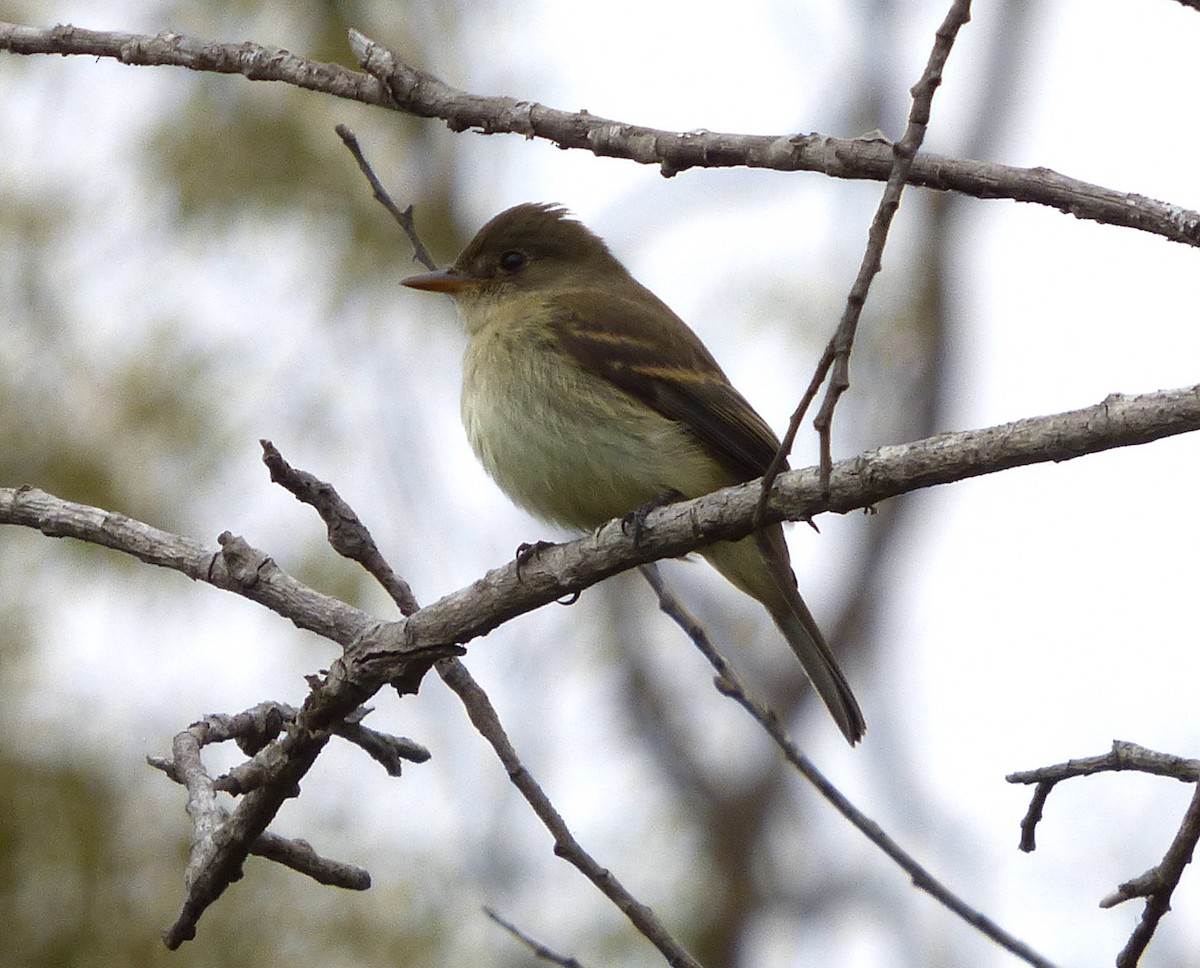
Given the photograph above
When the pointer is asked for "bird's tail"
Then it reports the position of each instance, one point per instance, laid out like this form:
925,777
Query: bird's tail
823,672
759,566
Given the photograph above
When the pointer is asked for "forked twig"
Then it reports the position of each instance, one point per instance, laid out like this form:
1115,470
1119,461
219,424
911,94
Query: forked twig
1156,885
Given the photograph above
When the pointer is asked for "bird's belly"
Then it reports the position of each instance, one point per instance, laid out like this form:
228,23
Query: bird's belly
570,447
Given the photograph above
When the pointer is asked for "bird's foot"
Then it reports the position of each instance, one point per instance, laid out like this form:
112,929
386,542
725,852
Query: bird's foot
526,552
634,523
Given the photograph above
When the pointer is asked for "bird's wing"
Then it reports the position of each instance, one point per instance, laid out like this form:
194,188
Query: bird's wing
641,346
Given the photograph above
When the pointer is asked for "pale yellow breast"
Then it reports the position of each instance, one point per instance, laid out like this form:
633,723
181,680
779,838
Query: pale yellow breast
566,445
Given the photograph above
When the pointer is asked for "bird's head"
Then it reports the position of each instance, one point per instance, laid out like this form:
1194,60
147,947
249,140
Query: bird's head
528,248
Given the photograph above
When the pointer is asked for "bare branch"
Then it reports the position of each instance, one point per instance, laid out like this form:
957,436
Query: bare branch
347,539
779,461
837,352
235,566
728,683
348,536
254,730
404,217
1123,756
483,716
385,749
1156,885
221,840
539,949
168,49
419,93
905,153
300,857
382,647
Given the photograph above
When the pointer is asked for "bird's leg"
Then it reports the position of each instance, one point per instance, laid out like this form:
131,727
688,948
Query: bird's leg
635,521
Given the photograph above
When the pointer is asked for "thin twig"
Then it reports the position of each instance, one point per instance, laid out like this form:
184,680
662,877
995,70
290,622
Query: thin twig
779,462
1162,884
487,722
1123,756
904,154
298,855
404,217
1033,816
729,684
348,536
539,949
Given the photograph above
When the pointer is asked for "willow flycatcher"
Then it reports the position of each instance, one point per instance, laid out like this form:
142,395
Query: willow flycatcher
585,398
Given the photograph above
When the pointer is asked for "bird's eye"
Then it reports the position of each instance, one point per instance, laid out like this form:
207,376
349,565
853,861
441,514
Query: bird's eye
513,261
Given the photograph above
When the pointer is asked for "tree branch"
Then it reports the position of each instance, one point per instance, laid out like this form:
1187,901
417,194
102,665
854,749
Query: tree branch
377,652
403,216
538,949
417,92
904,156
349,537
729,684
376,647
1155,885
487,722
221,841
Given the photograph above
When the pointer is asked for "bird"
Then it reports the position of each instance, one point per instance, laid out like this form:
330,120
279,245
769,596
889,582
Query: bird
586,398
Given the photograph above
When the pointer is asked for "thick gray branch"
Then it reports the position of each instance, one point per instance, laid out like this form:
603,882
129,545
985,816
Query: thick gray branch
417,92
234,566
378,651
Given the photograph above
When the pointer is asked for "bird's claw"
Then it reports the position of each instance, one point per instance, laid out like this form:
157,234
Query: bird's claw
526,552
634,523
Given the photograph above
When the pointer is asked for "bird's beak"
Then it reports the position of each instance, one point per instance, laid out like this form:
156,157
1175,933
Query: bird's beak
442,280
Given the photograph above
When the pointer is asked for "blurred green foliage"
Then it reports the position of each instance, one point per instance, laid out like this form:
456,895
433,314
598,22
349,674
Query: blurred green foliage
128,421
88,879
